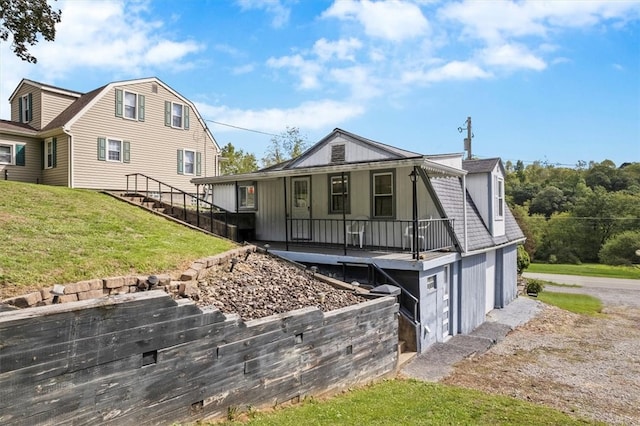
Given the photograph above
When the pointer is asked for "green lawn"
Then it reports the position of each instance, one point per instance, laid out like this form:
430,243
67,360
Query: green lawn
409,402
578,303
587,270
59,235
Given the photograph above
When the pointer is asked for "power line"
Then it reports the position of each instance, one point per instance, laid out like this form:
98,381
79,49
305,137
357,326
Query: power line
241,128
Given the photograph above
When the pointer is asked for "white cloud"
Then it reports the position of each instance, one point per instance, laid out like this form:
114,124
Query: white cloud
343,49
454,70
511,56
310,115
362,83
306,70
495,21
279,12
111,36
389,20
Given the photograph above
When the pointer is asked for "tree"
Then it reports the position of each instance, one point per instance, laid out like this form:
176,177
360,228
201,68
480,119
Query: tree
285,146
236,161
24,20
548,201
621,249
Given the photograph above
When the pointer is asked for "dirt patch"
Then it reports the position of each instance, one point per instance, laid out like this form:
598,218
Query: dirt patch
584,366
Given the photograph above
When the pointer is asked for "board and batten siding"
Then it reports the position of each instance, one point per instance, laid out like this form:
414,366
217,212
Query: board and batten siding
224,196
153,146
490,283
31,171
353,152
270,218
506,275
472,292
59,175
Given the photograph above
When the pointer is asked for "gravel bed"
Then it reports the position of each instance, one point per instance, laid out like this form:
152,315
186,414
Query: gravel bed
585,366
262,285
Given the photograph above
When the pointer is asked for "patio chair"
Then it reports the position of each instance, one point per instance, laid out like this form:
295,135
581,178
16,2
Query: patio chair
356,229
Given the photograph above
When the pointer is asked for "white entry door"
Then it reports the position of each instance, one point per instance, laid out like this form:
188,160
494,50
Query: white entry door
301,208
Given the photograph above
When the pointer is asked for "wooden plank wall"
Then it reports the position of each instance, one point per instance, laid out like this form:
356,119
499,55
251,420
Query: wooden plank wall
144,358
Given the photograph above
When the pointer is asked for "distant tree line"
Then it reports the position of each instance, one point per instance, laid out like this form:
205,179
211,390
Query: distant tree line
590,213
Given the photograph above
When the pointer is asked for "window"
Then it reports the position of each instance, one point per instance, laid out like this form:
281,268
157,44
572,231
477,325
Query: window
499,197
431,282
176,115
189,162
130,105
6,154
383,203
247,196
337,202
25,108
114,150
50,155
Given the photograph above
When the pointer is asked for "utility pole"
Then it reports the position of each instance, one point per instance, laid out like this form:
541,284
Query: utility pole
467,140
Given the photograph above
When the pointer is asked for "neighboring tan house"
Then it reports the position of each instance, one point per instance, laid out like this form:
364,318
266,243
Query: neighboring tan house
94,140
356,208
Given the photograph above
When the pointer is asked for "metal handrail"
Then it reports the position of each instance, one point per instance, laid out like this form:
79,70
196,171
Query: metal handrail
403,293
173,190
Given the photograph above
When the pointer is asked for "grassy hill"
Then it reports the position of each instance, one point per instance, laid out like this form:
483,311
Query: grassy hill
56,235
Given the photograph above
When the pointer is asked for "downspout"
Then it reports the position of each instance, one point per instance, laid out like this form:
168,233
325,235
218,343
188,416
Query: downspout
70,167
464,209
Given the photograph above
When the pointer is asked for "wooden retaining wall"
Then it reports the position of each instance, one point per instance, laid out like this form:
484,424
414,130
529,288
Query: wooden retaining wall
144,358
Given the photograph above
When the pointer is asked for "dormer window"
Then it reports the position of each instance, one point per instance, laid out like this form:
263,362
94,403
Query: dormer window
499,196
25,107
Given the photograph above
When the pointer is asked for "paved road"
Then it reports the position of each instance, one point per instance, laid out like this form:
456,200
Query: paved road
588,282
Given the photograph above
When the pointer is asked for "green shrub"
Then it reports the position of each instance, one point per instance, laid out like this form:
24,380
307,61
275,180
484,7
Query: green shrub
621,249
523,259
534,286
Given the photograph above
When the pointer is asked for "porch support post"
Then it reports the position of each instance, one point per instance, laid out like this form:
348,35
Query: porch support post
286,224
414,179
344,216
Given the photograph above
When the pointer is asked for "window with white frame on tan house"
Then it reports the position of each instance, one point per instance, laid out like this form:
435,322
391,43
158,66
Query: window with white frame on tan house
189,162
114,150
176,115
339,194
25,108
130,105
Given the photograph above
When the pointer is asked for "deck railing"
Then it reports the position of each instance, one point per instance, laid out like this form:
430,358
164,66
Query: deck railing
368,234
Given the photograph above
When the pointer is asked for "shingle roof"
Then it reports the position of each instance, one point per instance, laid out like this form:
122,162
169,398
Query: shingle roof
14,126
72,109
480,166
449,192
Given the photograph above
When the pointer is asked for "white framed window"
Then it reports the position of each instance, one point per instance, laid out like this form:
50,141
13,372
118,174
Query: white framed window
114,150
247,196
130,105
499,198
177,115
189,162
6,154
25,109
383,194
49,153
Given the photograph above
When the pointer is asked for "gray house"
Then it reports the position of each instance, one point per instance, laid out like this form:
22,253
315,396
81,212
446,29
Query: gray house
436,226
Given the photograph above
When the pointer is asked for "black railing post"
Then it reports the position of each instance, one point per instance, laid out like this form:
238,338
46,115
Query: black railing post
184,205
159,191
344,216
286,222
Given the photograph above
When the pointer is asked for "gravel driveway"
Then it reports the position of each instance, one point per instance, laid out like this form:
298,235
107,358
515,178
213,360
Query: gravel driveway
585,366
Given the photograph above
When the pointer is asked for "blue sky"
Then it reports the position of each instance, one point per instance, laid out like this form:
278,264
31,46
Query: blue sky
551,81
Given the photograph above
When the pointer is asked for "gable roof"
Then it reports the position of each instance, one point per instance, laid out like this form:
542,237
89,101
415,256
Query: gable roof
449,191
72,110
486,165
45,87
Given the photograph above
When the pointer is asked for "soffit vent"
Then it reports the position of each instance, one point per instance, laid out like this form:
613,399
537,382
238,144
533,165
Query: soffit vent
337,153
154,88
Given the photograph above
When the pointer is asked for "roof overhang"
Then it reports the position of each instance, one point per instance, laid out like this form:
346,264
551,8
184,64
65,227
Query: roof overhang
431,167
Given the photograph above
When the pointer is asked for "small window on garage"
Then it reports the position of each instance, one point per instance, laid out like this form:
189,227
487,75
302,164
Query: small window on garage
431,282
